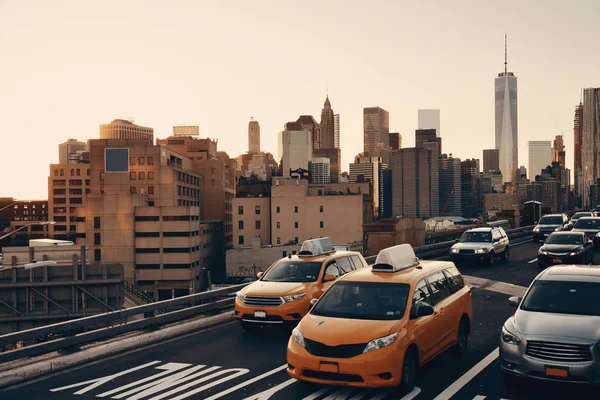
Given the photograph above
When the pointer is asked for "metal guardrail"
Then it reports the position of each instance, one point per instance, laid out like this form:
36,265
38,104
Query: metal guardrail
143,296
85,330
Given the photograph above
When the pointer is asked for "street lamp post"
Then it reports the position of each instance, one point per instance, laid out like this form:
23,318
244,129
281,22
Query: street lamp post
25,226
11,204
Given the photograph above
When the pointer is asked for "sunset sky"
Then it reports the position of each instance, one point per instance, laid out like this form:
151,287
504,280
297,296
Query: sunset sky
69,66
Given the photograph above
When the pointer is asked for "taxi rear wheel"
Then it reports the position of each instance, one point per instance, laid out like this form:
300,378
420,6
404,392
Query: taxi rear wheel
462,342
410,369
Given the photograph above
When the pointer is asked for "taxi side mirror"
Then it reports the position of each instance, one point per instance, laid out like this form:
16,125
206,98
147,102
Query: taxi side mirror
420,310
329,278
313,302
515,301
259,275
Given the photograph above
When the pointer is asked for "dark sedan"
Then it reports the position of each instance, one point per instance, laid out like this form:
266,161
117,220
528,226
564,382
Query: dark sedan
591,227
548,224
565,248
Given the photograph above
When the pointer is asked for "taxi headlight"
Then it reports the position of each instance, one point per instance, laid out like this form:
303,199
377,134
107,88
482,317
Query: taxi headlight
509,337
454,251
298,337
380,343
241,296
293,297
482,250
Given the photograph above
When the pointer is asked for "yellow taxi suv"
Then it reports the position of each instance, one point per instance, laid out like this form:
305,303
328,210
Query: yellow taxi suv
376,327
283,293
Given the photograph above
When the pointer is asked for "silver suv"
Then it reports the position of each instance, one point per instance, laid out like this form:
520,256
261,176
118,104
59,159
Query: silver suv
481,245
555,335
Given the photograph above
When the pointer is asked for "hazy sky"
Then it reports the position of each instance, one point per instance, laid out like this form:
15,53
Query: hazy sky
68,66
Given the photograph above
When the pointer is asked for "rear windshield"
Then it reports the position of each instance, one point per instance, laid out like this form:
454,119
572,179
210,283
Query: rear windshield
363,300
565,239
476,237
580,298
551,221
293,271
585,223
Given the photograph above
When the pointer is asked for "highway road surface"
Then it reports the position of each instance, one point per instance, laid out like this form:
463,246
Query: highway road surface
227,363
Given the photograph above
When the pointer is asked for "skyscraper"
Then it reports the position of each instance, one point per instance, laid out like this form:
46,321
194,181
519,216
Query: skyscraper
558,150
336,131
450,187
376,123
470,188
395,141
327,126
430,119
423,136
294,150
253,136
506,122
590,145
370,169
319,170
491,160
540,156
577,133
309,124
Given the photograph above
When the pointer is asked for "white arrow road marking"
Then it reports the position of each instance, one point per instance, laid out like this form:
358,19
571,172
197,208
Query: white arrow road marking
268,393
234,373
415,392
246,383
319,393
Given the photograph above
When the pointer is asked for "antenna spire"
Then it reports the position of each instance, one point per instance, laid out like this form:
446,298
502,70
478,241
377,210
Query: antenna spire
505,55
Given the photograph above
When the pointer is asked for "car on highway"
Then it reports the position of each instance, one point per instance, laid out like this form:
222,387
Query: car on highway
565,248
575,217
282,294
548,224
554,335
481,245
591,227
376,327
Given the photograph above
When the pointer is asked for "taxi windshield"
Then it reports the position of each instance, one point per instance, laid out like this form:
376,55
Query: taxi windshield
363,300
293,271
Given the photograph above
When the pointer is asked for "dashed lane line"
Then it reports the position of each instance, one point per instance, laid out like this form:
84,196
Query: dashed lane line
532,261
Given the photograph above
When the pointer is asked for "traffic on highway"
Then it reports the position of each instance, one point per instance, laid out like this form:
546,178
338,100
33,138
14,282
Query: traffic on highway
495,320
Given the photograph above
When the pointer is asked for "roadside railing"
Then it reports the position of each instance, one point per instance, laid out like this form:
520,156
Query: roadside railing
70,334
133,290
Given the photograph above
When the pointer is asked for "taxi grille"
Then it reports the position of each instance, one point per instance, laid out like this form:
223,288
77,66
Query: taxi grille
263,301
563,352
331,376
343,351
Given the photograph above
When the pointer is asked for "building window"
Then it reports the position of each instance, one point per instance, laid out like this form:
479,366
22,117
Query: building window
102,176
96,222
212,170
212,182
296,239
257,224
257,210
278,209
97,239
131,160
141,160
278,225
132,189
284,253
241,240
320,192
55,172
321,224
150,160
295,209
296,224
62,172
142,176
132,176
72,172
240,210
150,189
278,240
78,172
97,255
88,172
320,208
240,224
150,176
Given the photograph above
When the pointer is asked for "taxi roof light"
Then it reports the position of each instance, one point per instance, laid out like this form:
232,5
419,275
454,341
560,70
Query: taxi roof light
396,258
316,247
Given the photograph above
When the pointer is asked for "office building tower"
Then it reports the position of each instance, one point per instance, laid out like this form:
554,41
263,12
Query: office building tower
558,150
470,188
450,186
415,183
123,129
319,170
336,131
376,123
590,142
491,160
307,123
430,119
327,126
507,122
70,151
335,160
294,150
370,169
395,141
540,156
253,136
423,136
522,172
577,152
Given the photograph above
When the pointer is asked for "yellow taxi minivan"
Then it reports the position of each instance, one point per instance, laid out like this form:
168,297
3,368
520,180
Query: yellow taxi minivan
283,293
376,327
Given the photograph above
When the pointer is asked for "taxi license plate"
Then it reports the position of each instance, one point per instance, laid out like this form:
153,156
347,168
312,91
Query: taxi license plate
260,314
557,260
557,372
329,367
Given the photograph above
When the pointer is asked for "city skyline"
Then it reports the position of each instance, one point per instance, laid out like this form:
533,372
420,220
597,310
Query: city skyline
108,76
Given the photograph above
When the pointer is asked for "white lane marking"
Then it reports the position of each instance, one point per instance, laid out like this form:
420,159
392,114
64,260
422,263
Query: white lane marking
415,392
167,369
246,383
234,373
532,261
318,393
479,397
466,378
380,395
495,286
266,395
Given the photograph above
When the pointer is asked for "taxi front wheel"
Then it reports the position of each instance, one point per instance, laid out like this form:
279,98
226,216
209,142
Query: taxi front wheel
410,370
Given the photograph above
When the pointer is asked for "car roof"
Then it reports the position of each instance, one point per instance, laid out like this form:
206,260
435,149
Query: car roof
483,229
571,273
322,257
567,233
552,215
586,218
409,275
